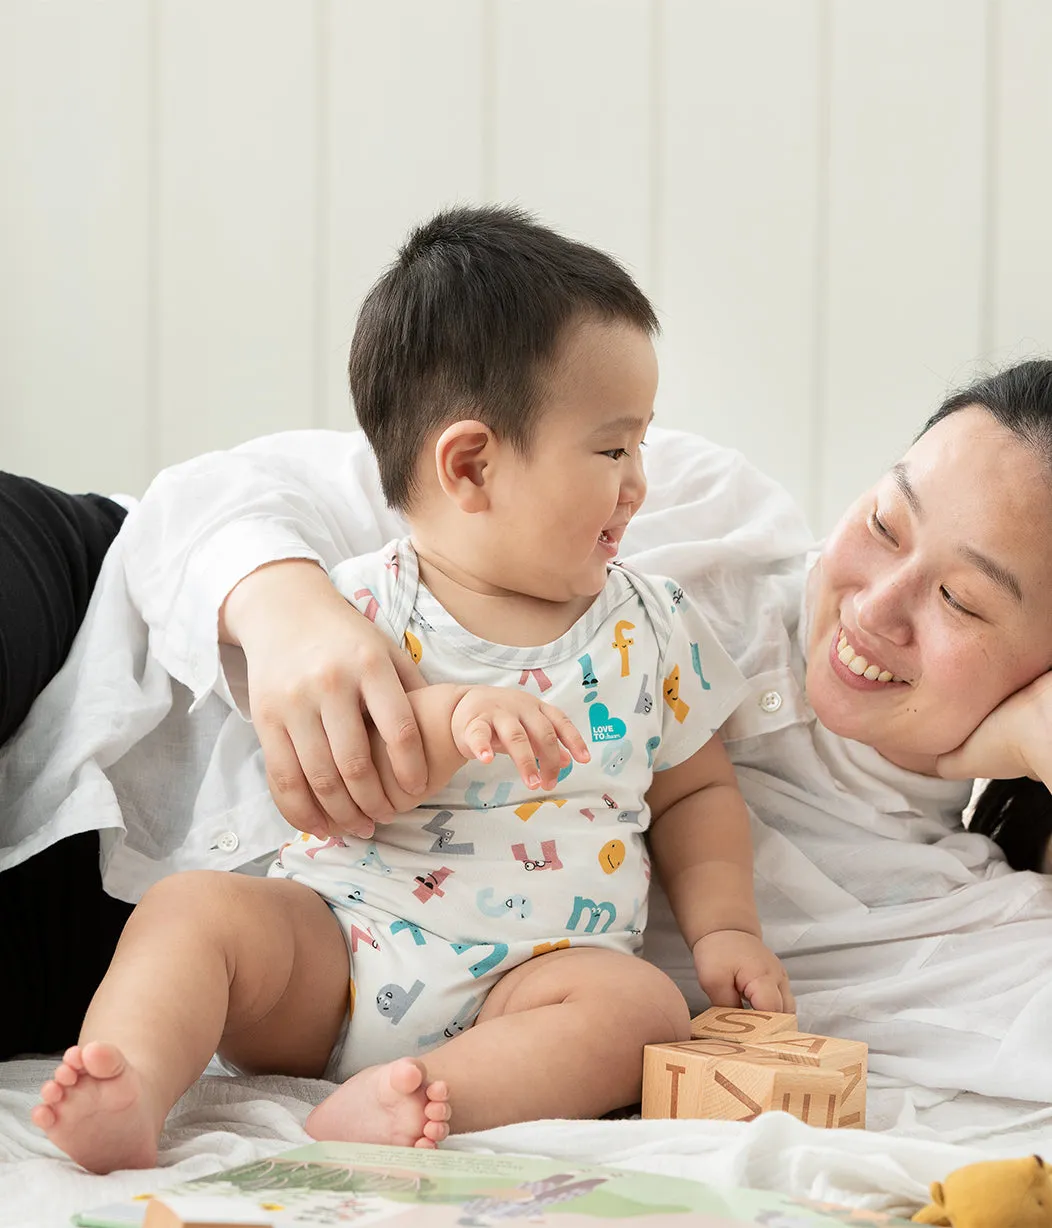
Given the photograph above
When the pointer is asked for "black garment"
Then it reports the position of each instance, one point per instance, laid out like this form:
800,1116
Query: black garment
60,930
51,548
59,927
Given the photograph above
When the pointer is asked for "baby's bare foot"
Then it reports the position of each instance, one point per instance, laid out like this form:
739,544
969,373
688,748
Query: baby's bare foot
96,1110
391,1104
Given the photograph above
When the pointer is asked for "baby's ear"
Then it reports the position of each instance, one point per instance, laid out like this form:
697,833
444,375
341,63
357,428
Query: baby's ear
463,453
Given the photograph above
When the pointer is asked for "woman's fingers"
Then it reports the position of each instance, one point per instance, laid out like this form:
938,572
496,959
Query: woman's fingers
383,696
337,760
295,797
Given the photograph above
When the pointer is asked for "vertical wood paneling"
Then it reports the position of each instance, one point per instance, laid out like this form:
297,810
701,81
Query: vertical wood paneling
74,131
235,261
404,137
738,226
1021,282
906,227
571,124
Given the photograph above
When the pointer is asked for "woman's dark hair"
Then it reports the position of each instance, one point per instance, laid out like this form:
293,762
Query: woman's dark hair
1016,813
465,323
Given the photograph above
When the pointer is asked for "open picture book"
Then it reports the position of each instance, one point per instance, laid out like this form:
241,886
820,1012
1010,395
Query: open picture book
344,1183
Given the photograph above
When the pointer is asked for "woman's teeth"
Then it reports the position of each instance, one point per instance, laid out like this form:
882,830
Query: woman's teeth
858,664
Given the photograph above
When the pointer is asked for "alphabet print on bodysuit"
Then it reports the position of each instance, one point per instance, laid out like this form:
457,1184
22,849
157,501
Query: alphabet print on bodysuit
372,860
473,795
510,904
695,660
622,643
460,1022
498,953
393,1000
443,844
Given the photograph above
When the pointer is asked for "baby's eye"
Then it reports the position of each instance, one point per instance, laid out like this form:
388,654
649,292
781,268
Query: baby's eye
615,453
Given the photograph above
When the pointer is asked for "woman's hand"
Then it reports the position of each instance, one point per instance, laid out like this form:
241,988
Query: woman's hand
539,738
734,966
315,668
1014,740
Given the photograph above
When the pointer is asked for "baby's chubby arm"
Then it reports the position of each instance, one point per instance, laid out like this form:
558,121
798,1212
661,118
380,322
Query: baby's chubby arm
699,840
458,723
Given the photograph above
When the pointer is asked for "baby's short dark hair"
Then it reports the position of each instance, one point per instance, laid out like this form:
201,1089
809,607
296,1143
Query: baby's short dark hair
464,323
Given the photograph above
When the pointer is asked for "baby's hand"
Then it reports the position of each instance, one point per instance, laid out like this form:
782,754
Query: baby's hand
540,739
733,966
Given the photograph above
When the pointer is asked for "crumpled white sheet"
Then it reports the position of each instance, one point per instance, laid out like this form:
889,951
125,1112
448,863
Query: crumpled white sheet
917,1136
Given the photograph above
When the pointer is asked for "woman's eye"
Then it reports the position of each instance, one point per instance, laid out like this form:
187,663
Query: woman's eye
953,603
880,528
615,453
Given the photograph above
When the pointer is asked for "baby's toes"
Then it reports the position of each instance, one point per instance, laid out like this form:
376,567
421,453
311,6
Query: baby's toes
435,1131
425,1143
74,1058
52,1093
43,1117
65,1075
437,1110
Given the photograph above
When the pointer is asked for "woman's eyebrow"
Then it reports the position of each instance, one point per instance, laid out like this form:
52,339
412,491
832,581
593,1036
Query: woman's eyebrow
902,481
1001,576
990,568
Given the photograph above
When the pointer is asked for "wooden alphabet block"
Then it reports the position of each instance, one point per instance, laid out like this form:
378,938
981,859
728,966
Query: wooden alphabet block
742,1062
700,1078
741,1025
850,1057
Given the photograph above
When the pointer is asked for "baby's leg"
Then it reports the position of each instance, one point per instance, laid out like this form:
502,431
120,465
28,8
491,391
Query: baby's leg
559,1036
258,966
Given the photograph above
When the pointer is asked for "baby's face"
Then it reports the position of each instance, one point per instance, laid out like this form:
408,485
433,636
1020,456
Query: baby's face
561,510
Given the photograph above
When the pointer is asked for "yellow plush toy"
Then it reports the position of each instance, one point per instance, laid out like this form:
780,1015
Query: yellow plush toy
993,1194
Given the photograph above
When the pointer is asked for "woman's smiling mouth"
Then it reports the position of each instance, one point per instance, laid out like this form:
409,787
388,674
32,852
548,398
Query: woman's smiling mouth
856,668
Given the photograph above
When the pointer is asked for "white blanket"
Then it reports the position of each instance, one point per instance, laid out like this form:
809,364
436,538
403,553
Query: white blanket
916,1136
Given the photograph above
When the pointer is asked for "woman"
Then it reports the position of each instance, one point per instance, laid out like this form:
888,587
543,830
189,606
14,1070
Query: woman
871,666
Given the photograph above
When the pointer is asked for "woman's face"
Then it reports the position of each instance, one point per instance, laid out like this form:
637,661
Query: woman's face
932,601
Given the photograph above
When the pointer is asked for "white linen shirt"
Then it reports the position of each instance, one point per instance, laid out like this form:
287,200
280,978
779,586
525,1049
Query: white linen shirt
896,925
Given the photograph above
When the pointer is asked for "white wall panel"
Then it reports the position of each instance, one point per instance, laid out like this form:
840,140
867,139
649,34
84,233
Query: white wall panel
838,208
738,226
1021,280
404,124
74,215
237,162
571,124
906,230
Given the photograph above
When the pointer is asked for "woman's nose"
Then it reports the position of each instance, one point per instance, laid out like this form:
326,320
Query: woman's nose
882,608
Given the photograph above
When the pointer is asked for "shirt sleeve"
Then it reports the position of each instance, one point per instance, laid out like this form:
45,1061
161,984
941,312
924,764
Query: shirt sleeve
700,684
204,525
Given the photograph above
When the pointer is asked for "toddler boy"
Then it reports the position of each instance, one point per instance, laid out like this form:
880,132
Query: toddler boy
476,961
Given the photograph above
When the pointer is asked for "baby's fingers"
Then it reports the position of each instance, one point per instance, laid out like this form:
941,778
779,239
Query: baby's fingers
769,992
567,733
477,740
515,739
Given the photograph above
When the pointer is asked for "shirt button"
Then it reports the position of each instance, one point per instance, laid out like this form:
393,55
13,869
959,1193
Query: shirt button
227,842
770,701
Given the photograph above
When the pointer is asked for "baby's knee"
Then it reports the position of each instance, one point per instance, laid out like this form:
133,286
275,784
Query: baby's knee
195,896
661,1001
